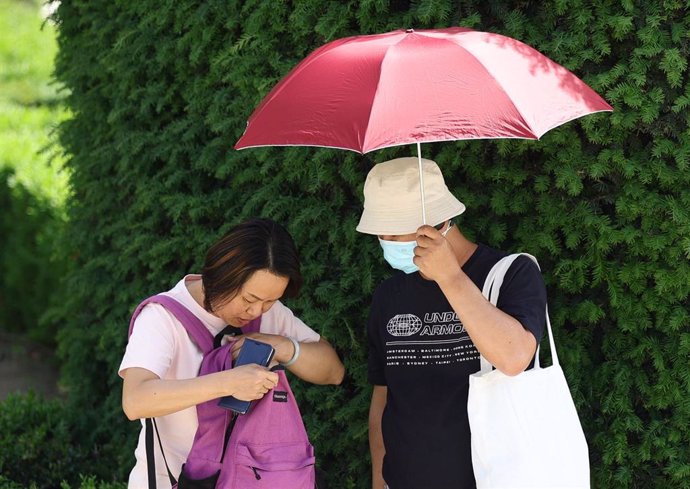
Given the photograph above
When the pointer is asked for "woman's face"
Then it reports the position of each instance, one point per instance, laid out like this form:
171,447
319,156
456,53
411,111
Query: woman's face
256,296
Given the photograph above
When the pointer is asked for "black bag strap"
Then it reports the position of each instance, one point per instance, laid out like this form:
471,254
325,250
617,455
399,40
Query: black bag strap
150,455
150,462
228,330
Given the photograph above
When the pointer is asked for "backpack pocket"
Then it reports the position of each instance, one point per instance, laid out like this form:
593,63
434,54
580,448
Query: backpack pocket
283,465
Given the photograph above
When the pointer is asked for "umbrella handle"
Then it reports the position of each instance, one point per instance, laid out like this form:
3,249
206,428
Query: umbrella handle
421,180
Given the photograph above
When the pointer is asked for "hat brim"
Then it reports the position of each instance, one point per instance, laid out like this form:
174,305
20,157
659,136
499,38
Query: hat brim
397,221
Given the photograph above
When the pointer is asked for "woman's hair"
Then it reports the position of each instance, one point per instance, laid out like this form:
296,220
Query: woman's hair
256,244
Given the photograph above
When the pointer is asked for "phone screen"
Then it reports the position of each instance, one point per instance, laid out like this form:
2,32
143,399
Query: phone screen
252,351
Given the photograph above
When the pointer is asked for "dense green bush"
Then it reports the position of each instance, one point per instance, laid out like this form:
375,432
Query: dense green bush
32,188
160,92
30,259
36,443
38,448
85,482
90,482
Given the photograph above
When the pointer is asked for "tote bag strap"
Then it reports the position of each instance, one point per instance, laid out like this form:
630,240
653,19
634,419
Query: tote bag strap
491,290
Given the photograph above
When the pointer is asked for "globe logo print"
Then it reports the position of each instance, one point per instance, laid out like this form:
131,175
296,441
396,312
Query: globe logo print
404,325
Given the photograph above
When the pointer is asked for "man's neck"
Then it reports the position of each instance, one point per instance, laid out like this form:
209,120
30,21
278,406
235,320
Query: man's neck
462,247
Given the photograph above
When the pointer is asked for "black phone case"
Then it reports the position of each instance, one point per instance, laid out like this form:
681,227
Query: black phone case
252,351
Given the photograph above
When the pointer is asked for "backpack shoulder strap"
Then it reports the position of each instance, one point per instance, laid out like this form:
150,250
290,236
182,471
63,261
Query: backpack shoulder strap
195,328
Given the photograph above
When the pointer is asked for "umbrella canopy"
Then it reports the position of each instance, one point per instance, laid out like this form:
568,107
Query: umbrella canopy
364,93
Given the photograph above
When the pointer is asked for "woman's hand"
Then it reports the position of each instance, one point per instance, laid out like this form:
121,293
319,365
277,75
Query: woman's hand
251,382
145,395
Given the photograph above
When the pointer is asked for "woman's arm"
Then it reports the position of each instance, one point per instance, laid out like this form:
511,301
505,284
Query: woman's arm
145,395
317,363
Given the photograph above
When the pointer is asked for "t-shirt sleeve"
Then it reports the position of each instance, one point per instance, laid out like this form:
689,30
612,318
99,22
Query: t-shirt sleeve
152,344
376,363
280,320
523,296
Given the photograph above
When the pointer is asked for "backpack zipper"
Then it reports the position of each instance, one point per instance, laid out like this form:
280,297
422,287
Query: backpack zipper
228,432
256,474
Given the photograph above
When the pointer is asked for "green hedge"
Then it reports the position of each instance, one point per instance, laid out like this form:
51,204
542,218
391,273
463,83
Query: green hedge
38,448
160,92
30,259
32,186
35,434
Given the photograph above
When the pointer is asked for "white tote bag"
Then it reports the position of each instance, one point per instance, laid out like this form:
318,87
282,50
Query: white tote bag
525,430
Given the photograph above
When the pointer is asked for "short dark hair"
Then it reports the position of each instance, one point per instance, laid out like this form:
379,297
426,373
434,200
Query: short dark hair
256,244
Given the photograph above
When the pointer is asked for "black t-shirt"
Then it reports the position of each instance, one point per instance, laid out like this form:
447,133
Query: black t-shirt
419,349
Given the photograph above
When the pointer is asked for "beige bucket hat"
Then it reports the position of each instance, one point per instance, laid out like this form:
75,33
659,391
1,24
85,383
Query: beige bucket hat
393,201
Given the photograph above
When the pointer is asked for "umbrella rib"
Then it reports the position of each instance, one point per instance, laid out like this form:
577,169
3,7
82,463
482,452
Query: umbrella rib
371,110
371,107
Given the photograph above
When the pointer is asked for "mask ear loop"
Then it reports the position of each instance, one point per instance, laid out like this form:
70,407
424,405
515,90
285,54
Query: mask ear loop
450,225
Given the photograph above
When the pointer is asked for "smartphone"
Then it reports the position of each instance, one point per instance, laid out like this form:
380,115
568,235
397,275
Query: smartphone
252,351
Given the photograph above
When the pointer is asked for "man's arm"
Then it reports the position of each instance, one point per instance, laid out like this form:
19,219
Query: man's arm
499,337
376,447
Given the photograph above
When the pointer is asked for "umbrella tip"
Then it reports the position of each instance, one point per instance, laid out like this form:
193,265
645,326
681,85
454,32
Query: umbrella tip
409,30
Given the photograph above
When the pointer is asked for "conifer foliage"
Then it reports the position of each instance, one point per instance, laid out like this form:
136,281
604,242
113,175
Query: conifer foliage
160,91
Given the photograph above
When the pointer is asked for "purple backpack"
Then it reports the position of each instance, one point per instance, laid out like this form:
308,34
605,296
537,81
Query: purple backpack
266,448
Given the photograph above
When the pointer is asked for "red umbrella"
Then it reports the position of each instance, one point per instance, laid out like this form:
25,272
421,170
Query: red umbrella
364,93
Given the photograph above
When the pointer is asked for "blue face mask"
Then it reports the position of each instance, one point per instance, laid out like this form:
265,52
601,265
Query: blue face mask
399,254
